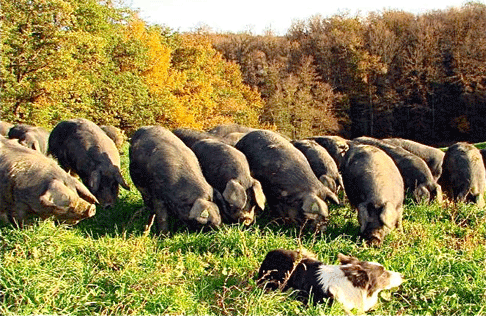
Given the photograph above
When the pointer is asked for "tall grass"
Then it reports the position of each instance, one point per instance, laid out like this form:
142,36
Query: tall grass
115,264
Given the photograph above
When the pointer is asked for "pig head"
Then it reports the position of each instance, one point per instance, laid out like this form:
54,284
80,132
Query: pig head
104,182
376,221
64,203
243,203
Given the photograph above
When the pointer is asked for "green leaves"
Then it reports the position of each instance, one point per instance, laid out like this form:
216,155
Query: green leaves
92,59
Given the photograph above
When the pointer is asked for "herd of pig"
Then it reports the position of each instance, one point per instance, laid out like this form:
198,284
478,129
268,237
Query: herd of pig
229,174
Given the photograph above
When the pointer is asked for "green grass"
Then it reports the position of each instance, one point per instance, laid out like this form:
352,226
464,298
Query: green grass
480,145
114,264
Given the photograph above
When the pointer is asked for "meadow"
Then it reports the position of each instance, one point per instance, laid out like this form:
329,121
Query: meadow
114,263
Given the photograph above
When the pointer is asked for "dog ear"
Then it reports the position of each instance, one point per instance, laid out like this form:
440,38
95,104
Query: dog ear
347,259
356,275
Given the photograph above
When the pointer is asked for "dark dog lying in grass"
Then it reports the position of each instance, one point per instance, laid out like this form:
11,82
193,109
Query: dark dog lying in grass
354,283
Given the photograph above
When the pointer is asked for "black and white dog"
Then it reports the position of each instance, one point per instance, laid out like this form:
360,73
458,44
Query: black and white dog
354,283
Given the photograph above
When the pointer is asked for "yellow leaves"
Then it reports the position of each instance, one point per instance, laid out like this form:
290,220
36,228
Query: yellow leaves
208,89
156,55
370,64
136,29
93,60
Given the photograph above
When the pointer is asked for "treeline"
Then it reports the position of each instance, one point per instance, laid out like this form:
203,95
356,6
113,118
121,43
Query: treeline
96,59
391,73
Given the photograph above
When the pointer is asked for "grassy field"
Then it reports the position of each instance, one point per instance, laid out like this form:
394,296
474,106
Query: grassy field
114,264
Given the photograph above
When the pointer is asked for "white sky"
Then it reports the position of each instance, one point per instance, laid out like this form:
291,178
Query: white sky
260,15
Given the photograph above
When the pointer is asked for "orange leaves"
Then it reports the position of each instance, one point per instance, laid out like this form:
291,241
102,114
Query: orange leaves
157,55
192,84
92,59
210,90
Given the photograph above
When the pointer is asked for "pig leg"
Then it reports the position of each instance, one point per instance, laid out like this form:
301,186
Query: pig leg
161,216
399,225
480,200
18,215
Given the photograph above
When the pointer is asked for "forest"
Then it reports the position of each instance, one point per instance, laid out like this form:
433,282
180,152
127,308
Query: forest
389,73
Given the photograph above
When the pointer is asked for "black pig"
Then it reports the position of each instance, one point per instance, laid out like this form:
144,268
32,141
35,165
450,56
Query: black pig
463,175
290,186
168,175
416,174
375,187
227,170
82,147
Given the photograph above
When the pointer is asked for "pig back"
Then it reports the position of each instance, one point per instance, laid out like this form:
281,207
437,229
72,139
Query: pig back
463,171
277,164
191,136
432,156
162,164
321,162
369,174
115,134
226,129
80,144
33,137
221,163
335,145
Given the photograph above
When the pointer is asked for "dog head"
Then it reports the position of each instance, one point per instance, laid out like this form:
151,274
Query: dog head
358,283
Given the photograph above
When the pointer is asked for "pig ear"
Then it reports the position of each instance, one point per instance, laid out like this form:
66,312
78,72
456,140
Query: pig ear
120,180
235,194
330,196
84,193
258,194
421,194
328,182
438,194
199,211
47,199
312,204
204,211
94,180
388,216
362,216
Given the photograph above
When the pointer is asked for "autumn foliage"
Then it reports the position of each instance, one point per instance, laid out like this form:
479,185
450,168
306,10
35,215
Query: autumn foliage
95,59
389,73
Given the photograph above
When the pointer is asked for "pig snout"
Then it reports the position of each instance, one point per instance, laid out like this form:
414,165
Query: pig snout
107,197
374,241
81,211
247,218
374,237
91,211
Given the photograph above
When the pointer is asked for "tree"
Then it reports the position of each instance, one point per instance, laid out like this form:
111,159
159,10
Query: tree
36,55
98,60
299,104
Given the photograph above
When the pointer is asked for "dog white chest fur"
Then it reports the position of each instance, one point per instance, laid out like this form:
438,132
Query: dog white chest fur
333,279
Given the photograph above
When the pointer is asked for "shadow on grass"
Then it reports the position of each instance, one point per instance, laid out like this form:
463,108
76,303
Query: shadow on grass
125,217
129,217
